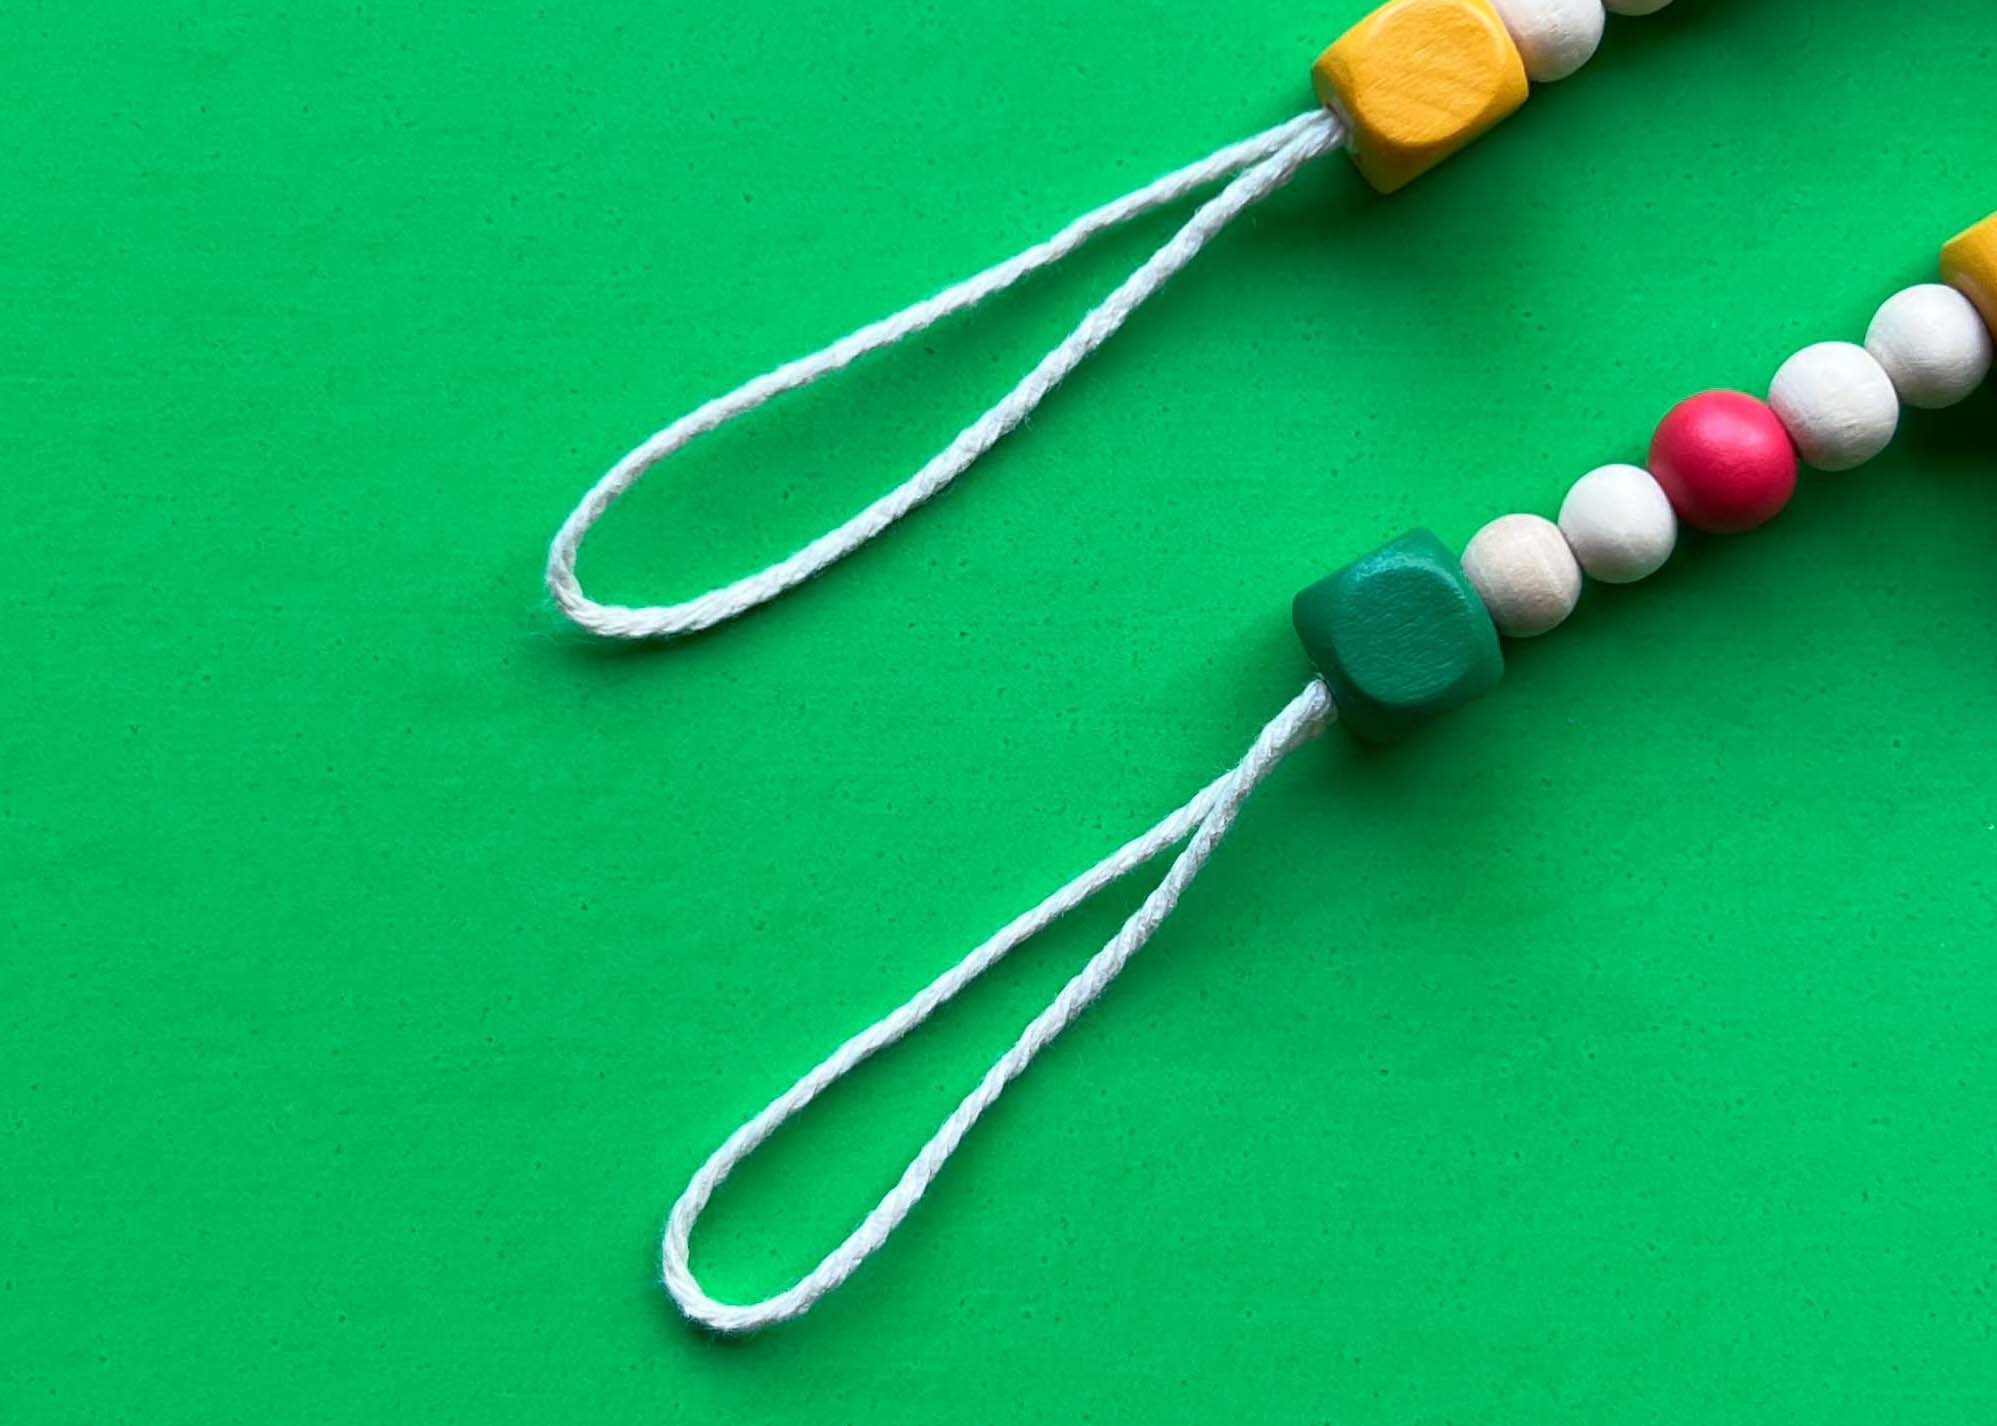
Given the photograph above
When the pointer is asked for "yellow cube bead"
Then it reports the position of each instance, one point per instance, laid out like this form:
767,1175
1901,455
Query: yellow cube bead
1969,264
1417,80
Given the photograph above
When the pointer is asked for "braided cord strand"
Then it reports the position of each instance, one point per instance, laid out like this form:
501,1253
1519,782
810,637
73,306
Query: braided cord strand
1260,165
1204,819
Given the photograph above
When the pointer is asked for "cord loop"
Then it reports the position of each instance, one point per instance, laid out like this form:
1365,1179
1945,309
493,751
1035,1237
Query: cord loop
1205,819
1263,163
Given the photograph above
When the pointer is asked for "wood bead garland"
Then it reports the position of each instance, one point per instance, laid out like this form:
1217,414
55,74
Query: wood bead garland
1525,574
1619,523
1932,343
1397,637
1554,37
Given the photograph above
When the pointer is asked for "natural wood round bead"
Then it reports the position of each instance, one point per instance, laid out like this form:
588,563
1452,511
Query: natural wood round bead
1932,342
1636,7
1555,37
1619,523
1837,404
1525,574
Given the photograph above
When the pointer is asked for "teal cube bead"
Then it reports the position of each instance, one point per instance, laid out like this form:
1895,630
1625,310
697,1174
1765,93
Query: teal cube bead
1399,637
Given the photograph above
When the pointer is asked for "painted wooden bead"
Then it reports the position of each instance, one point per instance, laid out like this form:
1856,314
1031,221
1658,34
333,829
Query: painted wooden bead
1417,80
1554,37
1932,343
1525,574
1724,460
1837,403
1635,7
1969,264
1619,524
1399,637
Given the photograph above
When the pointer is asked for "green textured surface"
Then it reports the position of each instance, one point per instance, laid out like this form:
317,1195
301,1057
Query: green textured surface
380,958
1400,637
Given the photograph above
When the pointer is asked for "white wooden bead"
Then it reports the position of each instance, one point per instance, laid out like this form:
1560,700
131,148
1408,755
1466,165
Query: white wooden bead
1619,523
1524,572
1554,37
1838,404
1636,7
1933,344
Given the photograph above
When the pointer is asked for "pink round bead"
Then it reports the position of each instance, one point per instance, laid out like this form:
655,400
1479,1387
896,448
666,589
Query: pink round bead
1725,461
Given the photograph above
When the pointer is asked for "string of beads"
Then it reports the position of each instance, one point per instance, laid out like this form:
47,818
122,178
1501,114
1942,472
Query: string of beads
1398,636
1407,632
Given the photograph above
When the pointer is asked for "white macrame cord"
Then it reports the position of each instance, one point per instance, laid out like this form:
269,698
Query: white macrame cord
1205,819
1260,165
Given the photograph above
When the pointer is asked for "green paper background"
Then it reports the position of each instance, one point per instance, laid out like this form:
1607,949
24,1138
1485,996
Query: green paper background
381,956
